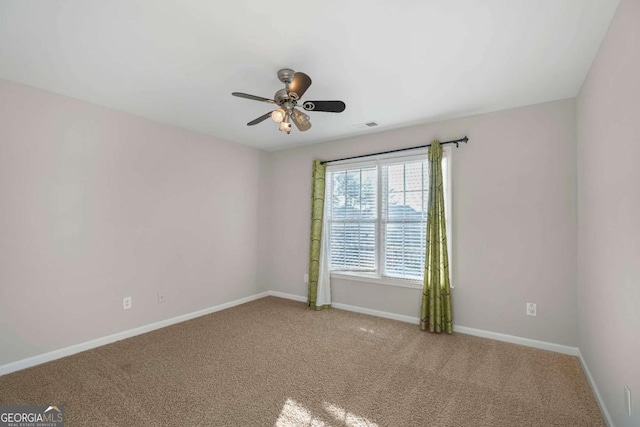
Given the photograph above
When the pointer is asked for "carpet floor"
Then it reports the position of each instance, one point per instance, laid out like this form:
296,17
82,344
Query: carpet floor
273,362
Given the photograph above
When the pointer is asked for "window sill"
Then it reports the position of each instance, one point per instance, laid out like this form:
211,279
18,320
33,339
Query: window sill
372,278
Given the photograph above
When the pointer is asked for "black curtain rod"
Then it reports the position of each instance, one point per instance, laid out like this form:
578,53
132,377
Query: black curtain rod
457,142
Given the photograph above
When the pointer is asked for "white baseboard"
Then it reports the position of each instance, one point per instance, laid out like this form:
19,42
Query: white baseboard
543,345
68,351
594,387
287,296
558,348
377,313
356,309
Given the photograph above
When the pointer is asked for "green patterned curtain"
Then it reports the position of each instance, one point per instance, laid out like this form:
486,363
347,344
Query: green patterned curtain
319,296
436,314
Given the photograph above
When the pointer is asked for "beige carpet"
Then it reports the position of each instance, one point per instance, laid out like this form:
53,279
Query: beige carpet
273,362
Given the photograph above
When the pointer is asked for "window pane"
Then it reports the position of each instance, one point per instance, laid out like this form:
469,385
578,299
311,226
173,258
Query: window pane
413,176
369,199
395,174
414,206
353,246
354,194
404,250
405,185
338,205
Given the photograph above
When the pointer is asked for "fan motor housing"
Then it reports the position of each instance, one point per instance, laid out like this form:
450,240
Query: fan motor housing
281,96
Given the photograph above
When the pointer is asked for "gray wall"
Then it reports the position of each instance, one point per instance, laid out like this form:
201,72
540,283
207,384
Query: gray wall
97,205
608,131
514,221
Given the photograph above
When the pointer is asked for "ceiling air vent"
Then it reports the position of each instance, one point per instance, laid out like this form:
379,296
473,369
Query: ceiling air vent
366,125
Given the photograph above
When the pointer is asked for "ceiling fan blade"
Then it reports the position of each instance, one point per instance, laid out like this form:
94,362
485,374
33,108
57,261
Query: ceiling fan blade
299,85
259,119
301,120
326,106
253,97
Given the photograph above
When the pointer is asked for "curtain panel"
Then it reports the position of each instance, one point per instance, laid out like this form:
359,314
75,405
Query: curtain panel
436,314
319,295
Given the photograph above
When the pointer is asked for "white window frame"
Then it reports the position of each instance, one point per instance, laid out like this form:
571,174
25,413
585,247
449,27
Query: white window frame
376,277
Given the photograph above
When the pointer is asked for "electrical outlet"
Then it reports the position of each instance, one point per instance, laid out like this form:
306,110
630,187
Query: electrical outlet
161,297
126,303
627,399
306,278
531,309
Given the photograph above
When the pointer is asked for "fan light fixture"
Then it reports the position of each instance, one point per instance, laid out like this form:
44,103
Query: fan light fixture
278,115
301,120
285,125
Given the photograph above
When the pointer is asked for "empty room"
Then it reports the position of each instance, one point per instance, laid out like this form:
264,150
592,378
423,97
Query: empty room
320,213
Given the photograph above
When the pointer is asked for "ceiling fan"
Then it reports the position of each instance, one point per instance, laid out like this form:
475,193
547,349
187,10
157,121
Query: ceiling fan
296,84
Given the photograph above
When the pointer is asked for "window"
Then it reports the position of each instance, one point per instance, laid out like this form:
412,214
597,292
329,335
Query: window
377,218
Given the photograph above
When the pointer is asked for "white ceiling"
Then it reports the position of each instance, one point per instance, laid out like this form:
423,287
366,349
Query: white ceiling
395,62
